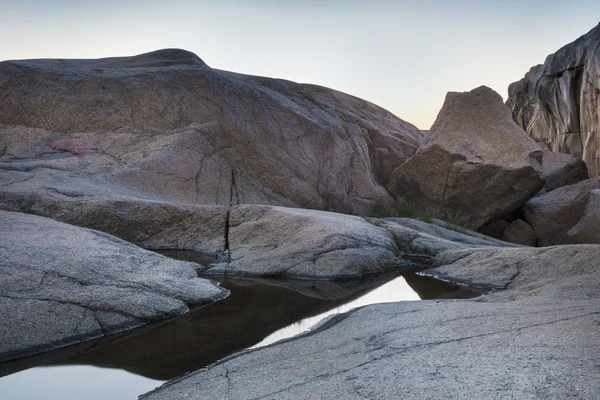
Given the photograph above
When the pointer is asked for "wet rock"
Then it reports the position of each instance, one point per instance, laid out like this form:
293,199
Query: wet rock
557,103
587,229
164,126
475,165
61,284
295,243
553,214
519,232
488,347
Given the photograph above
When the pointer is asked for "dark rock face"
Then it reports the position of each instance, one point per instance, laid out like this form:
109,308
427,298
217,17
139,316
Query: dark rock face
165,126
558,103
475,165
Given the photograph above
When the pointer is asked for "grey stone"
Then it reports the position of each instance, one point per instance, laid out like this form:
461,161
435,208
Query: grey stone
557,103
536,335
61,284
559,169
553,214
165,126
587,229
474,166
519,232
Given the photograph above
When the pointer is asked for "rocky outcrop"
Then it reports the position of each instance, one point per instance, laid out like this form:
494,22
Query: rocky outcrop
553,214
475,165
587,229
165,126
560,170
62,284
289,242
558,103
486,348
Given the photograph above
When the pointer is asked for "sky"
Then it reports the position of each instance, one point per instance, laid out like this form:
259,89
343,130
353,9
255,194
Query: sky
401,55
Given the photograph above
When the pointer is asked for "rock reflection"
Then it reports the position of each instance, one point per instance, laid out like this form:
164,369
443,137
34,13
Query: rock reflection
255,309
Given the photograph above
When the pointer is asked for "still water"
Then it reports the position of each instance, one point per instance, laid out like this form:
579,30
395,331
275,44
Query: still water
258,312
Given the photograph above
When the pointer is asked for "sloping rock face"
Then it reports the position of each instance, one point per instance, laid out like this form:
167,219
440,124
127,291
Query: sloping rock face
485,348
553,214
558,103
475,165
559,169
295,243
587,229
165,126
61,284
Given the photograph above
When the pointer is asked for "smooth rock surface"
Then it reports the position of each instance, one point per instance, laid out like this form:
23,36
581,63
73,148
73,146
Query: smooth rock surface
536,339
519,232
61,284
474,166
558,103
164,126
553,214
587,229
295,243
559,169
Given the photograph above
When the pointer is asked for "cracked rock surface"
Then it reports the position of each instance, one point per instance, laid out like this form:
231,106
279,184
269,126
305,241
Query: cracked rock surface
61,284
165,126
557,102
537,336
475,165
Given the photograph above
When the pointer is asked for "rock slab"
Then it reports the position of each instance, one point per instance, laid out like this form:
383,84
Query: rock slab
61,284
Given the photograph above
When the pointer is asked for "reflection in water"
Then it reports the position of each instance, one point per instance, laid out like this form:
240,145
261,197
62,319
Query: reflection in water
74,382
257,312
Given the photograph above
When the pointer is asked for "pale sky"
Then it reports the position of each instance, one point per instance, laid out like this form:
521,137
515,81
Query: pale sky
401,55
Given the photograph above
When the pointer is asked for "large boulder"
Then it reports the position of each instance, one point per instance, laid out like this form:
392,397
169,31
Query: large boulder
559,169
272,241
61,284
475,165
558,103
587,229
553,214
165,126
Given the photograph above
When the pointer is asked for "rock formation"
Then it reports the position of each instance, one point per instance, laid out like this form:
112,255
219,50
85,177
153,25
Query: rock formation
62,284
485,348
558,103
475,165
587,229
553,214
165,126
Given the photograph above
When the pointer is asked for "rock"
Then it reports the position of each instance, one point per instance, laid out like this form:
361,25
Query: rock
519,232
557,103
560,169
164,126
474,166
290,242
553,214
587,229
486,348
267,241
61,284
